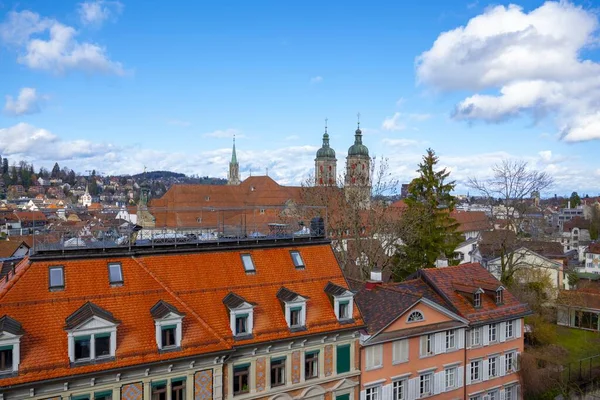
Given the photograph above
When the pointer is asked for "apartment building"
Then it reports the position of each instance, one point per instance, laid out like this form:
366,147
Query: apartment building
449,333
236,320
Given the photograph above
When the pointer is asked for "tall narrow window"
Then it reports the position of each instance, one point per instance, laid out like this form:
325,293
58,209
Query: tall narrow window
277,371
177,389
475,370
102,344
6,358
82,348
450,340
510,332
477,300
241,381
248,263
241,324
492,367
373,393
343,358
399,390
115,274
425,384
343,310
297,259
57,280
492,333
159,390
499,296
450,378
311,364
296,317
168,335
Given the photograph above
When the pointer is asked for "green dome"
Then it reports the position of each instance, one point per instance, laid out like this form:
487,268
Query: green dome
325,151
358,149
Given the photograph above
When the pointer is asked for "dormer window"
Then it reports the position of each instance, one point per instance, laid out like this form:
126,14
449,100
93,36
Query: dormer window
248,263
294,308
241,315
500,295
115,274
297,259
56,278
168,323
477,300
10,340
92,334
342,301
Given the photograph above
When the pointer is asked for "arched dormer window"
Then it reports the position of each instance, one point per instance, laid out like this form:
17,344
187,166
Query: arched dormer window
415,316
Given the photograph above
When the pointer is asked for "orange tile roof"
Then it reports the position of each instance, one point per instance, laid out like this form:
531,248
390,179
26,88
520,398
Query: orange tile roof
194,283
470,221
444,280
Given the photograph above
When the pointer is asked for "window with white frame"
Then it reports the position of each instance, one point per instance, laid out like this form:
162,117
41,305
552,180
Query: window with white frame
476,336
492,367
510,360
400,351
399,390
492,334
426,384
241,315
450,339
499,296
373,393
248,263
168,324
415,316
115,273
494,395
56,278
510,329
510,393
475,370
477,300
297,259
450,378
374,356
94,337
427,345
10,340
294,308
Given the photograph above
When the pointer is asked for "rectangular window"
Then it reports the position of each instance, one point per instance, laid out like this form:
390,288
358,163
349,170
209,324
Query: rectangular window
248,263
373,393
105,395
81,397
374,356
475,370
425,385
277,371
297,259
400,351
475,336
343,358
510,330
241,380
159,390
177,389
427,343
343,308
102,344
499,296
168,336
509,393
399,390
450,339
115,274
241,324
493,367
296,317
6,358
450,375
311,364
57,279
494,395
477,300
509,359
82,348
492,333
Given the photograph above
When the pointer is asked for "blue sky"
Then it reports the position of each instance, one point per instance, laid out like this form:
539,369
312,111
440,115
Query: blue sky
119,85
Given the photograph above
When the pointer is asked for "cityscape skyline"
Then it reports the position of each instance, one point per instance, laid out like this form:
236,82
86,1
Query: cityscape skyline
85,91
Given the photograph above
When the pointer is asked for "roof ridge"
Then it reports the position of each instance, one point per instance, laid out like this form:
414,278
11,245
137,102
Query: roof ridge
19,271
179,299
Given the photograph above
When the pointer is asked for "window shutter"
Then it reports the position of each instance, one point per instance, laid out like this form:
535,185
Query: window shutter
517,361
343,359
438,384
362,395
486,370
468,373
386,392
413,385
423,343
518,390
460,371
518,328
486,335
404,349
501,394
440,343
502,365
461,339
468,336
369,357
502,331
378,361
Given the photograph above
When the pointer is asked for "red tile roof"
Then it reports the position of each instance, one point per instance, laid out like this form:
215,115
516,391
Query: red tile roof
9,247
594,248
471,221
194,283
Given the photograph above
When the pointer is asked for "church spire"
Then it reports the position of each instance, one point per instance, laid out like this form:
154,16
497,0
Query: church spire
233,155
234,168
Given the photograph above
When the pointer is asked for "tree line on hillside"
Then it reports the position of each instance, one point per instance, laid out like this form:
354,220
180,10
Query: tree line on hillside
23,173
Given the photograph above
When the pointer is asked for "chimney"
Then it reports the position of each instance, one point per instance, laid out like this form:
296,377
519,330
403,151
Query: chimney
569,204
375,279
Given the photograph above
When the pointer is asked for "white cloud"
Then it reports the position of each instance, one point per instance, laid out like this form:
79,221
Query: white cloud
227,134
316,79
46,44
28,102
532,59
96,12
393,123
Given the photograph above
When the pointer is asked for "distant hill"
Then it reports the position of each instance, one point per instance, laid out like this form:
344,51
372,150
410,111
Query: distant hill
158,175
176,177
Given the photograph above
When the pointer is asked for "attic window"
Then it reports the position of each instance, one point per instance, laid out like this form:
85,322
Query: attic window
499,296
248,263
56,278
199,220
115,274
297,259
206,198
262,211
168,322
477,300
415,316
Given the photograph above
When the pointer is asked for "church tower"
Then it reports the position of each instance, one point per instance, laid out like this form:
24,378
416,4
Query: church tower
358,171
325,163
234,168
